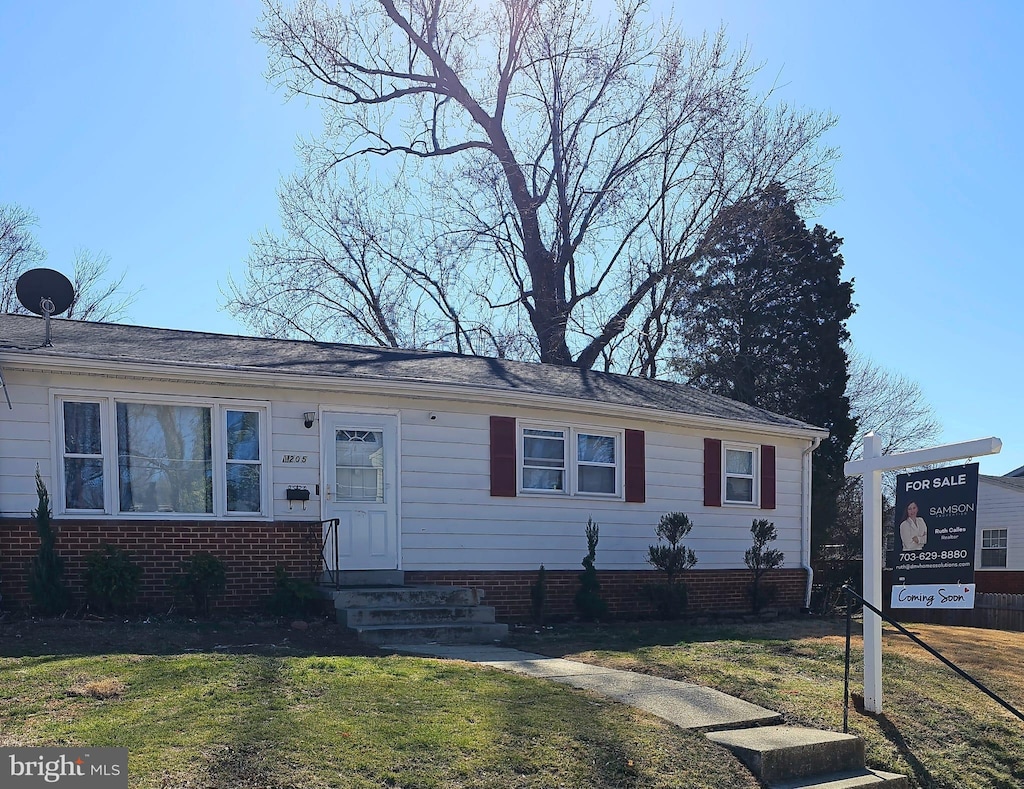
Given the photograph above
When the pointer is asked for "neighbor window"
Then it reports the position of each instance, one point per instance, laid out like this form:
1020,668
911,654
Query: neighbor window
993,547
162,457
740,474
570,461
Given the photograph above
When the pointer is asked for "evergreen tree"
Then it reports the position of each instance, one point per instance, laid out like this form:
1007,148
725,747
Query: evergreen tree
765,324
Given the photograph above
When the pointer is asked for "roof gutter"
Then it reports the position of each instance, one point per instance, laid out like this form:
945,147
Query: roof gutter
805,517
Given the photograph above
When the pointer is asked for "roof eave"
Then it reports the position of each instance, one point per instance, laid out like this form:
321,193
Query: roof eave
411,388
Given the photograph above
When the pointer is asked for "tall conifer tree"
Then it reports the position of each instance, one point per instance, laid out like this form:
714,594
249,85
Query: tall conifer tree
765,324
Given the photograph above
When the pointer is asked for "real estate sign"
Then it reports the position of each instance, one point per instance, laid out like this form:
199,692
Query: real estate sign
933,545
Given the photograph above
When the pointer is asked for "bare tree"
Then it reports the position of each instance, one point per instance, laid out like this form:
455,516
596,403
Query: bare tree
19,251
890,405
97,297
895,408
555,174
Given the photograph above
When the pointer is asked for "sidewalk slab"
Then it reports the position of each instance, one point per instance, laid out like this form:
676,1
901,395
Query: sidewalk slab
686,705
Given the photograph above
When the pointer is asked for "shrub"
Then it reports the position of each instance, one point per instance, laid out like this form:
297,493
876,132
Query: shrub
200,577
46,570
293,596
761,559
111,579
674,559
589,602
539,596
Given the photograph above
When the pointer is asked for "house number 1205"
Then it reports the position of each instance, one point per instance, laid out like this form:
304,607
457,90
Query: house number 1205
293,459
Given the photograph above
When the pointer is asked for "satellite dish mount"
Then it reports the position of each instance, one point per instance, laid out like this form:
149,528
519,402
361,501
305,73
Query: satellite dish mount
45,292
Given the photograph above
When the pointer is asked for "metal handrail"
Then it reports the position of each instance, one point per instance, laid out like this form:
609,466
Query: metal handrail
331,535
935,653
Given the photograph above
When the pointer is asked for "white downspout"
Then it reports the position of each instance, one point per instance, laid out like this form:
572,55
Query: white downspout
805,518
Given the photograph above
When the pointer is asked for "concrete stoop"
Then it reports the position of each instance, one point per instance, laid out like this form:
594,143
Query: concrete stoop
791,757
418,615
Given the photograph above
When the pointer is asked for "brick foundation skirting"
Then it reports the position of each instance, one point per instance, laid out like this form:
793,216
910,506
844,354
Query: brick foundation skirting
709,591
250,550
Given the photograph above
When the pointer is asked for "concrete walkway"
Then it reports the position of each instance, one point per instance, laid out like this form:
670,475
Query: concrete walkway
682,703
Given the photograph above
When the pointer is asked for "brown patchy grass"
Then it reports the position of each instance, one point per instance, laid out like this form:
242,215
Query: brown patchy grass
935,728
103,688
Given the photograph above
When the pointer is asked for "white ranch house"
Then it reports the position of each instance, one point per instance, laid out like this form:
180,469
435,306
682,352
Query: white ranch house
441,468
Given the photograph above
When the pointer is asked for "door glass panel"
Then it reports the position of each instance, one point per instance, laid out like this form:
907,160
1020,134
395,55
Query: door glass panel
359,465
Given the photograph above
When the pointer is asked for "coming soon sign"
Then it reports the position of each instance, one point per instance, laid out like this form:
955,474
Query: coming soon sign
933,549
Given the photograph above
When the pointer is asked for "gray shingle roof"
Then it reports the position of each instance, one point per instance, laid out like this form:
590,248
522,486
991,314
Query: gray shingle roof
1013,483
23,335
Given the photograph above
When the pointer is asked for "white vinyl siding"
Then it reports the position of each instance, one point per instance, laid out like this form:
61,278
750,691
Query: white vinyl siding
449,520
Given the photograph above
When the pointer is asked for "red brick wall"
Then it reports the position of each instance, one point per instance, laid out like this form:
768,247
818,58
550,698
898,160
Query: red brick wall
999,581
249,550
710,591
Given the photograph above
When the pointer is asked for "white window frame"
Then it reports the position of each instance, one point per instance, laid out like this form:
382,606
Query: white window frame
755,476
1002,536
570,433
218,452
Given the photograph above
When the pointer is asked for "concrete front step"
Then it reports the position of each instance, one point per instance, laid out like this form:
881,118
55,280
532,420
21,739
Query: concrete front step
406,597
418,615
476,633
778,754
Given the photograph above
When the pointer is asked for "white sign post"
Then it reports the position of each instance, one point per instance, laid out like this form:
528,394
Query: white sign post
871,465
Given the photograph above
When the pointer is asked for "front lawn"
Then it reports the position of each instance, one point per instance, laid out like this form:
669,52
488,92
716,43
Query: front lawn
220,706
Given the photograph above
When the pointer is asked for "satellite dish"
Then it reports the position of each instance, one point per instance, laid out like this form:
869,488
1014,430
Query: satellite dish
45,291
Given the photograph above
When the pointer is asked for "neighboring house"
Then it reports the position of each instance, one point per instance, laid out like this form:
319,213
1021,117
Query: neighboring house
999,550
447,468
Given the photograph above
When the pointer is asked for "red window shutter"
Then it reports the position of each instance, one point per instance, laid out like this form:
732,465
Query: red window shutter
712,472
636,467
503,456
767,477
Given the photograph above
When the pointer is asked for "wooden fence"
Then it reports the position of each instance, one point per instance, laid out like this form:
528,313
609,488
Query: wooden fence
992,611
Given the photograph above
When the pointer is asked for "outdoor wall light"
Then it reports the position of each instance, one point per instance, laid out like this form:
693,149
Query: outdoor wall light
308,418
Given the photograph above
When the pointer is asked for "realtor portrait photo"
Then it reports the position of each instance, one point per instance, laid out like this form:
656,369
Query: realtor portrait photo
913,531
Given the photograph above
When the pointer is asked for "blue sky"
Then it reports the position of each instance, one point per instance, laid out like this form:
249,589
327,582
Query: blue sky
147,132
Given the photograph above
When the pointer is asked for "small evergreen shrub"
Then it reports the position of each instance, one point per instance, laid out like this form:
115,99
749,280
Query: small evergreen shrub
199,578
46,570
674,559
589,603
111,579
539,596
293,596
760,560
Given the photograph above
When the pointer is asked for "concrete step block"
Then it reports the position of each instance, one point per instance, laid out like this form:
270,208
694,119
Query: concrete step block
406,597
784,753
420,615
476,633
865,779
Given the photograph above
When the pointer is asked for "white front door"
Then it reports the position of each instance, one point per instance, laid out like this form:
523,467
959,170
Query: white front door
360,462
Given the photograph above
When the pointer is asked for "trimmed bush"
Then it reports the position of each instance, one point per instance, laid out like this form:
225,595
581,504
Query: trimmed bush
46,570
111,579
674,559
199,578
589,603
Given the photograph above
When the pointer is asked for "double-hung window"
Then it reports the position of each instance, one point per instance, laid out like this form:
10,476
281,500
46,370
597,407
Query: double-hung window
993,547
571,461
132,456
740,477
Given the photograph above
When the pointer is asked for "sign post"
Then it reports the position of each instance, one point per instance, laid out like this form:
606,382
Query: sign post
870,466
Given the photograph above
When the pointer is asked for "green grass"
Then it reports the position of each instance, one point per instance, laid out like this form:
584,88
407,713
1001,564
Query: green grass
208,719
935,727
